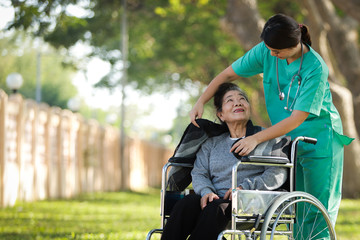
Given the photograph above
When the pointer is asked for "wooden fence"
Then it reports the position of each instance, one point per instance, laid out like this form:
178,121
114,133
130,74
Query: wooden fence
47,153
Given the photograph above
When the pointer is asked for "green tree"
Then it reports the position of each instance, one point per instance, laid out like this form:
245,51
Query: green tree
166,37
19,54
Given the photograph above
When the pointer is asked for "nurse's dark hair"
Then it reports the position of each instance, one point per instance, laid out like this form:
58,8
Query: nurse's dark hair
222,90
282,31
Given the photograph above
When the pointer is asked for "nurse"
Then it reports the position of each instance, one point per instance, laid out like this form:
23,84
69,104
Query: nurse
299,103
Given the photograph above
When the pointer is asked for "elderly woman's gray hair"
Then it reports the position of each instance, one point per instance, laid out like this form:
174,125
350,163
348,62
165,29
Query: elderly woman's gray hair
222,90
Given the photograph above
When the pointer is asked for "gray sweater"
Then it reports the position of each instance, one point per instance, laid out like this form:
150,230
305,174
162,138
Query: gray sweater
213,166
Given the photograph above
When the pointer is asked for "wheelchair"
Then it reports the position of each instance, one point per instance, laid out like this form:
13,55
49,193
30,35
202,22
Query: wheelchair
279,214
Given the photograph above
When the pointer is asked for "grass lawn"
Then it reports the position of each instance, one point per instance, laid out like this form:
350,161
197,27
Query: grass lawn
120,216
348,222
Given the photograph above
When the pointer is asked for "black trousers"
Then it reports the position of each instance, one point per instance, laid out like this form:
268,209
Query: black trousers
187,218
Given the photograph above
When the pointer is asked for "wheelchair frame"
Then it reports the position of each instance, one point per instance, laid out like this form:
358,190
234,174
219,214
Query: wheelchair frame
277,222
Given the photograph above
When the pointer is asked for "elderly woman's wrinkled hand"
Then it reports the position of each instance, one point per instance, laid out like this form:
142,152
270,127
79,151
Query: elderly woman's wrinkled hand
228,194
244,146
208,198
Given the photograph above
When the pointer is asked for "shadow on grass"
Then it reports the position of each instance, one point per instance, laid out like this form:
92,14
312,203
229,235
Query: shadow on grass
115,197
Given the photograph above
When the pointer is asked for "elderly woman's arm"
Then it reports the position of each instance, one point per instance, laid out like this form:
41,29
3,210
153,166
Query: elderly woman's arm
271,179
201,181
201,172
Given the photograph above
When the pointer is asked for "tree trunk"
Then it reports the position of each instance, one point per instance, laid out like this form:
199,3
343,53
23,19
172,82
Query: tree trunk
343,39
243,20
351,7
351,181
340,52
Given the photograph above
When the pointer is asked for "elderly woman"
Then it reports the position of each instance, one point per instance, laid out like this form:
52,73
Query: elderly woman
205,214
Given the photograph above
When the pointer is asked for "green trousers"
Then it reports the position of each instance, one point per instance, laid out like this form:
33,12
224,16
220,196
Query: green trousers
321,177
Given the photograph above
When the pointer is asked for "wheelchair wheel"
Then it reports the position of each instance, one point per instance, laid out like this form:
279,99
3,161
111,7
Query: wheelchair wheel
297,215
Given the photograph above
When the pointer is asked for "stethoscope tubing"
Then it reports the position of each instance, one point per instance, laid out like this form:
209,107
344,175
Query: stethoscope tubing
281,94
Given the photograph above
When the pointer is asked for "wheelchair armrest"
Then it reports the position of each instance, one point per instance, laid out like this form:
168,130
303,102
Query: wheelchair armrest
266,159
187,160
164,176
262,161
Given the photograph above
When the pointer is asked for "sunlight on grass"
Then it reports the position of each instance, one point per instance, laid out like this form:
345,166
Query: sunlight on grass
348,221
110,216
122,215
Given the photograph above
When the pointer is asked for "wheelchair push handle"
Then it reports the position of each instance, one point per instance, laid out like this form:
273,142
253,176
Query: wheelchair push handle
310,140
304,139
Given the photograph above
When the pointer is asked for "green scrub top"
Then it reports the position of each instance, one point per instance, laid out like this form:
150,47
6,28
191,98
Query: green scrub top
314,96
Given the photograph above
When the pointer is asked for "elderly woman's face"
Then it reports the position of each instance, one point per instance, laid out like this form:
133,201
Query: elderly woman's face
234,108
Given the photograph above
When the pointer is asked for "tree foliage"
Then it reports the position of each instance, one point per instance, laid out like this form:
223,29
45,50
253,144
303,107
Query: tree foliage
166,37
18,54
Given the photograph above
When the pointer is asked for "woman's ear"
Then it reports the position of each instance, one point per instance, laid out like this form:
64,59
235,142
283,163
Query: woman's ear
219,115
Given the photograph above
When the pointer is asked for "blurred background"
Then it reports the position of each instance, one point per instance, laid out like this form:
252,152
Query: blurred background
138,66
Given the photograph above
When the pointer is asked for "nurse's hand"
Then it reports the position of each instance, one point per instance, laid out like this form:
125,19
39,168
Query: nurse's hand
196,112
244,146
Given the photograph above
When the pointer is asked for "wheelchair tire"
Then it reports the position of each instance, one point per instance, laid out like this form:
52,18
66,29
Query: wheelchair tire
280,218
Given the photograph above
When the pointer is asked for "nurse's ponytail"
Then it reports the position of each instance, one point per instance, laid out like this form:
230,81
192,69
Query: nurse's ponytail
305,35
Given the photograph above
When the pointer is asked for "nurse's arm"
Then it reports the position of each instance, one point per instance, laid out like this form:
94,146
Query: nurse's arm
246,145
225,76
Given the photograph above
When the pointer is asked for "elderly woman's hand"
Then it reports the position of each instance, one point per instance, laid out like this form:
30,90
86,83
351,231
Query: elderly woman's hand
244,146
207,198
228,194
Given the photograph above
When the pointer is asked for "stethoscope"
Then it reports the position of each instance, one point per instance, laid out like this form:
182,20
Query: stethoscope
297,75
